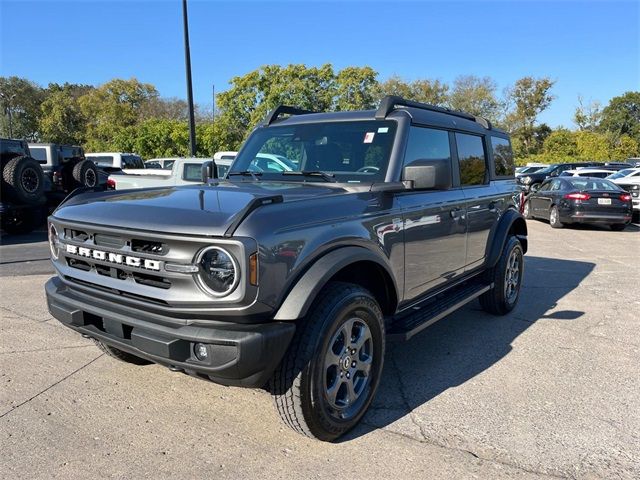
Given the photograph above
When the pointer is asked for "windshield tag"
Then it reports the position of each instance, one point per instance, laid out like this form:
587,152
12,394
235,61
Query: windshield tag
383,130
368,137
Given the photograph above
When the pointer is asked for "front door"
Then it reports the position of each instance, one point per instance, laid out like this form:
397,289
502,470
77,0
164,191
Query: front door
434,222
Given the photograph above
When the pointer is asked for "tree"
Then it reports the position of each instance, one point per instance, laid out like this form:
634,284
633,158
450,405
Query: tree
355,89
592,146
587,117
623,147
622,116
422,90
112,108
560,144
475,95
529,97
61,120
24,98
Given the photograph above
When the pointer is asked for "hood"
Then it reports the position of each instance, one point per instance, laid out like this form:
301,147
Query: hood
190,210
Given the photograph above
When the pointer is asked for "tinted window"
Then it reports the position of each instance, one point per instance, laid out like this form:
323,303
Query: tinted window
152,165
555,185
502,157
192,172
473,168
427,144
168,164
39,153
592,184
544,187
132,161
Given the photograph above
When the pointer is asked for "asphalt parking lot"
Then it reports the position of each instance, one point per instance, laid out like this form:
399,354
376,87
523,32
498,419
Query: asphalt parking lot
551,390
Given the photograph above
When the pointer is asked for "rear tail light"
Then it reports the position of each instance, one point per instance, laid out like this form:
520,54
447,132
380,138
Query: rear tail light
625,197
111,184
577,196
57,178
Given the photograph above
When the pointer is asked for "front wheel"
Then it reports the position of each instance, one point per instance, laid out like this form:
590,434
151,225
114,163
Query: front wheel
506,277
332,369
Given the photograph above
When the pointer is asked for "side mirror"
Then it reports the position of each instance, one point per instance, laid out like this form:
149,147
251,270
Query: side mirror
428,174
209,170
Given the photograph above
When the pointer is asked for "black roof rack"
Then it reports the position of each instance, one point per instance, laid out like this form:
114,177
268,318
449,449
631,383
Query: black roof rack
273,115
389,102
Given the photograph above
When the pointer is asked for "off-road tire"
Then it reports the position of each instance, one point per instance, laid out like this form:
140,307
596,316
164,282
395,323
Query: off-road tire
23,223
496,300
85,174
24,180
298,384
120,355
554,217
618,227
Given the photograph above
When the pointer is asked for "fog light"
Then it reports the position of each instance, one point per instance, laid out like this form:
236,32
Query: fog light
201,351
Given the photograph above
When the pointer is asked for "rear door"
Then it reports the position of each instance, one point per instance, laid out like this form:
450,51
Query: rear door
434,222
482,200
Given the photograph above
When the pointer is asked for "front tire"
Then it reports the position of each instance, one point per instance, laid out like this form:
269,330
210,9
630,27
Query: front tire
554,218
506,277
330,374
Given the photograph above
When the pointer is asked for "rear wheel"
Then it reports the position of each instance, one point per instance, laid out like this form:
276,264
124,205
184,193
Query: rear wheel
554,218
506,277
120,355
332,369
618,227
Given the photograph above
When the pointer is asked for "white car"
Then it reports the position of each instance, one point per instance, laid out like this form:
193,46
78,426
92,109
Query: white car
224,156
184,171
117,161
631,183
586,172
625,173
159,163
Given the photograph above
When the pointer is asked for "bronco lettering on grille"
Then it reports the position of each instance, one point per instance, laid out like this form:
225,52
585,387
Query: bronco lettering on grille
114,257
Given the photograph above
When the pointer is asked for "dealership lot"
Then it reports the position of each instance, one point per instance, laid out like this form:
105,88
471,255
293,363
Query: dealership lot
550,390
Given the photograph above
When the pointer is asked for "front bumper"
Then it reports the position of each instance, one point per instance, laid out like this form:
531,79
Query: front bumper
239,354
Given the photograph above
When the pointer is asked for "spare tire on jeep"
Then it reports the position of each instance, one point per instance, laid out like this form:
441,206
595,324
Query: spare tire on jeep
24,178
86,173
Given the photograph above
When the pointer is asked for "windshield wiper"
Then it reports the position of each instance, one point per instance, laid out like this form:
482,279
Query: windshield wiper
246,173
328,177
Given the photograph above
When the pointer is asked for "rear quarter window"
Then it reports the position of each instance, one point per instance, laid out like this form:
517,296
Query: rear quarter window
39,153
502,157
192,172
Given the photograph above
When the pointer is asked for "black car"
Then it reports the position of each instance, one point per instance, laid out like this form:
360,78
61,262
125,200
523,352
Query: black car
387,221
567,200
533,181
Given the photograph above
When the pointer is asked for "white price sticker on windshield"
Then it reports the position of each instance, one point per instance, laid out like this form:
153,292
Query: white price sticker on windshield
383,129
368,137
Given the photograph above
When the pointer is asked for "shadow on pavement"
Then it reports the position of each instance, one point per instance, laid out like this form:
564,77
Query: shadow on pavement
39,235
467,343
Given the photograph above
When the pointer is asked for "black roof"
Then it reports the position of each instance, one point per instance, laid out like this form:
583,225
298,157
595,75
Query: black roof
390,107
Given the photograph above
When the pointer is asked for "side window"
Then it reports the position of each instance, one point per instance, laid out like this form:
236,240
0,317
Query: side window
502,157
192,172
473,167
555,185
427,144
545,186
39,153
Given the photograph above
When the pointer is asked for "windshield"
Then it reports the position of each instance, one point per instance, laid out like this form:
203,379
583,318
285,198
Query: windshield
354,152
548,169
621,173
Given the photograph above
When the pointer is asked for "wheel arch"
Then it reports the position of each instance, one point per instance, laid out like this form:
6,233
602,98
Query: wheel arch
347,264
511,223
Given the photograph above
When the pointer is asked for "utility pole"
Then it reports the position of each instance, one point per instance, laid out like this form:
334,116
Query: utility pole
187,64
8,100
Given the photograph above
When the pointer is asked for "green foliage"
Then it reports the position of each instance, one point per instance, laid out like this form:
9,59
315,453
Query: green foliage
24,98
560,144
587,117
475,95
424,90
622,116
61,120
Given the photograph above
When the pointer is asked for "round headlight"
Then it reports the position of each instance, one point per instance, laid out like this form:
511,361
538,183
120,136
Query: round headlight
54,241
219,273
526,180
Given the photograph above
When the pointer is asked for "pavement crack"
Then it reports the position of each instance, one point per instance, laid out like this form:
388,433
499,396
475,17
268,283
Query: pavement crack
403,395
45,349
23,315
13,409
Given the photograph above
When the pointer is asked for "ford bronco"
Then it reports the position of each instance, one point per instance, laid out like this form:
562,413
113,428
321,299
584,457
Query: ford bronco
294,280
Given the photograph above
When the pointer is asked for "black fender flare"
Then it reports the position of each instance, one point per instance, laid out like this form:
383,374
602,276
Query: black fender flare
513,222
305,290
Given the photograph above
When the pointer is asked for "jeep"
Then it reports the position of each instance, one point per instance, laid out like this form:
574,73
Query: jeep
294,280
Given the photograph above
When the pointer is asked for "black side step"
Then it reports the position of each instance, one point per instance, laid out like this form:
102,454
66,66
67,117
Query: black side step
406,327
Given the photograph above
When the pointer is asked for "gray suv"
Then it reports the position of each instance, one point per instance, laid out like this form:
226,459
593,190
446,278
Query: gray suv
294,280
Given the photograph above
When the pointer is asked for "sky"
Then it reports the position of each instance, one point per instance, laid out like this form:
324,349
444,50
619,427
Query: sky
589,48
